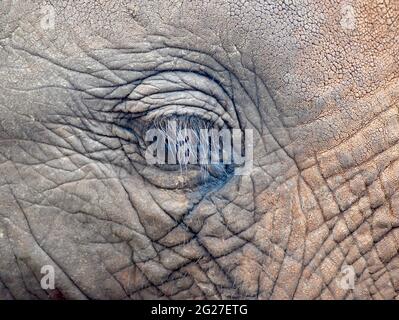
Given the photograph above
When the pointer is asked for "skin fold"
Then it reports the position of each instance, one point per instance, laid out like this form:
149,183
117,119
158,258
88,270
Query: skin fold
316,81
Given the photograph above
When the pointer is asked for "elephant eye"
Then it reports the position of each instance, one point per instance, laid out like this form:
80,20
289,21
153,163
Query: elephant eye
176,129
186,147
188,142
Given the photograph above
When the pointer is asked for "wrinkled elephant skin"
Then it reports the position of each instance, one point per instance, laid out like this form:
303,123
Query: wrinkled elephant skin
316,82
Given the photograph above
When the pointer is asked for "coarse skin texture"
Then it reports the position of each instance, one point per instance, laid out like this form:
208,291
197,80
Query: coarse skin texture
316,81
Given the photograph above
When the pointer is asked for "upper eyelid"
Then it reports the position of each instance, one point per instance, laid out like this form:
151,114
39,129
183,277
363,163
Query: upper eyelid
155,102
152,66
213,118
161,81
170,87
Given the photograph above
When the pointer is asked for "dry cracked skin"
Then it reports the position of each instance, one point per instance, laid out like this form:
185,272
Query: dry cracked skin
317,82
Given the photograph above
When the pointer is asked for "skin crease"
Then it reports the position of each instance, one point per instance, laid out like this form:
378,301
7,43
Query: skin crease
317,81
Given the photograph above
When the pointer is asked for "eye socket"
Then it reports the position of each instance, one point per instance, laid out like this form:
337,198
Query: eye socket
161,124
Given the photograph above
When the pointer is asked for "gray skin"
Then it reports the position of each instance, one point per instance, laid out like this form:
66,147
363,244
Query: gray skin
316,81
